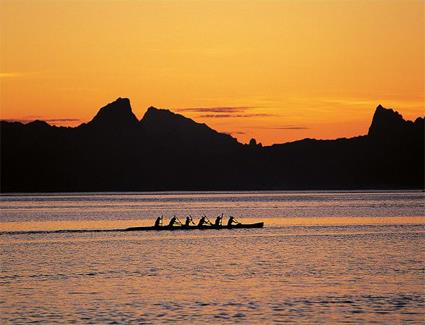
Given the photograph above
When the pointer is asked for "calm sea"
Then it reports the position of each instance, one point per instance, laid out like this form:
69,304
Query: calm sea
323,257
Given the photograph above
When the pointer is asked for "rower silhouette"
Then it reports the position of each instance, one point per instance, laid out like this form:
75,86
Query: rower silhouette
218,220
158,221
173,221
232,221
204,220
188,221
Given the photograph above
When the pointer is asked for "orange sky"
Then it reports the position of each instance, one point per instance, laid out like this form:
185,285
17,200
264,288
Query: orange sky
273,70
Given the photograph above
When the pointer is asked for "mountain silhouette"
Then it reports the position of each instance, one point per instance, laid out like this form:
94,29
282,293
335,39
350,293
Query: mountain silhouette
167,151
389,125
386,122
115,115
170,129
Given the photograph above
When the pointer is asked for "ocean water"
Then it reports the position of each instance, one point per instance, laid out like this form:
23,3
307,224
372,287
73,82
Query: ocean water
323,257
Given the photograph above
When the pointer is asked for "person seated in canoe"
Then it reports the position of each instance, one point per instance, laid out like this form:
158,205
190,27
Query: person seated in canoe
204,221
218,220
174,220
158,222
189,221
232,221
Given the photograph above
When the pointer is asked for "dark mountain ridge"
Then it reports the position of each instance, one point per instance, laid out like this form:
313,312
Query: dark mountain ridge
167,151
115,115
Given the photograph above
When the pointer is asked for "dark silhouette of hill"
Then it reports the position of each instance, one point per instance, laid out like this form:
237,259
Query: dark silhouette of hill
175,131
115,115
167,151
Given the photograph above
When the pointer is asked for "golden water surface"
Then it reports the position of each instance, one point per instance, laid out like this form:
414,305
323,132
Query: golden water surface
329,257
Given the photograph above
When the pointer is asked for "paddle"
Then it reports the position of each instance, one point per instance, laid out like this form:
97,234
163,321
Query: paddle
236,221
209,221
179,221
191,220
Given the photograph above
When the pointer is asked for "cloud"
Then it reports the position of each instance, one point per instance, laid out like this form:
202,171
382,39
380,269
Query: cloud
235,115
12,120
63,120
220,109
29,119
285,127
224,112
10,74
291,127
32,117
235,132
16,74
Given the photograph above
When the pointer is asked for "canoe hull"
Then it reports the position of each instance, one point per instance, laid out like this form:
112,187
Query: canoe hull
174,228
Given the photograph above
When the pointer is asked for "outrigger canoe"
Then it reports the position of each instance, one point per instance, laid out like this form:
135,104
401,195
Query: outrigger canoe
172,228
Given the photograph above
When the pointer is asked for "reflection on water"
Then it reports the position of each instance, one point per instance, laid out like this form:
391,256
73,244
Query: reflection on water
311,264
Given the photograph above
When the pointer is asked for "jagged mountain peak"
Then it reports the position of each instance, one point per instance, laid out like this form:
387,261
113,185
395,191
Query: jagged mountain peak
115,114
156,112
385,121
165,118
381,111
166,151
165,124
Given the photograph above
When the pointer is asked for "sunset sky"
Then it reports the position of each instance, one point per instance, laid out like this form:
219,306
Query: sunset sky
274,70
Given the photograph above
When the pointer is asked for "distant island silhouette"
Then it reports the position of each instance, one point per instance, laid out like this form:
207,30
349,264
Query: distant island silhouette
167,151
